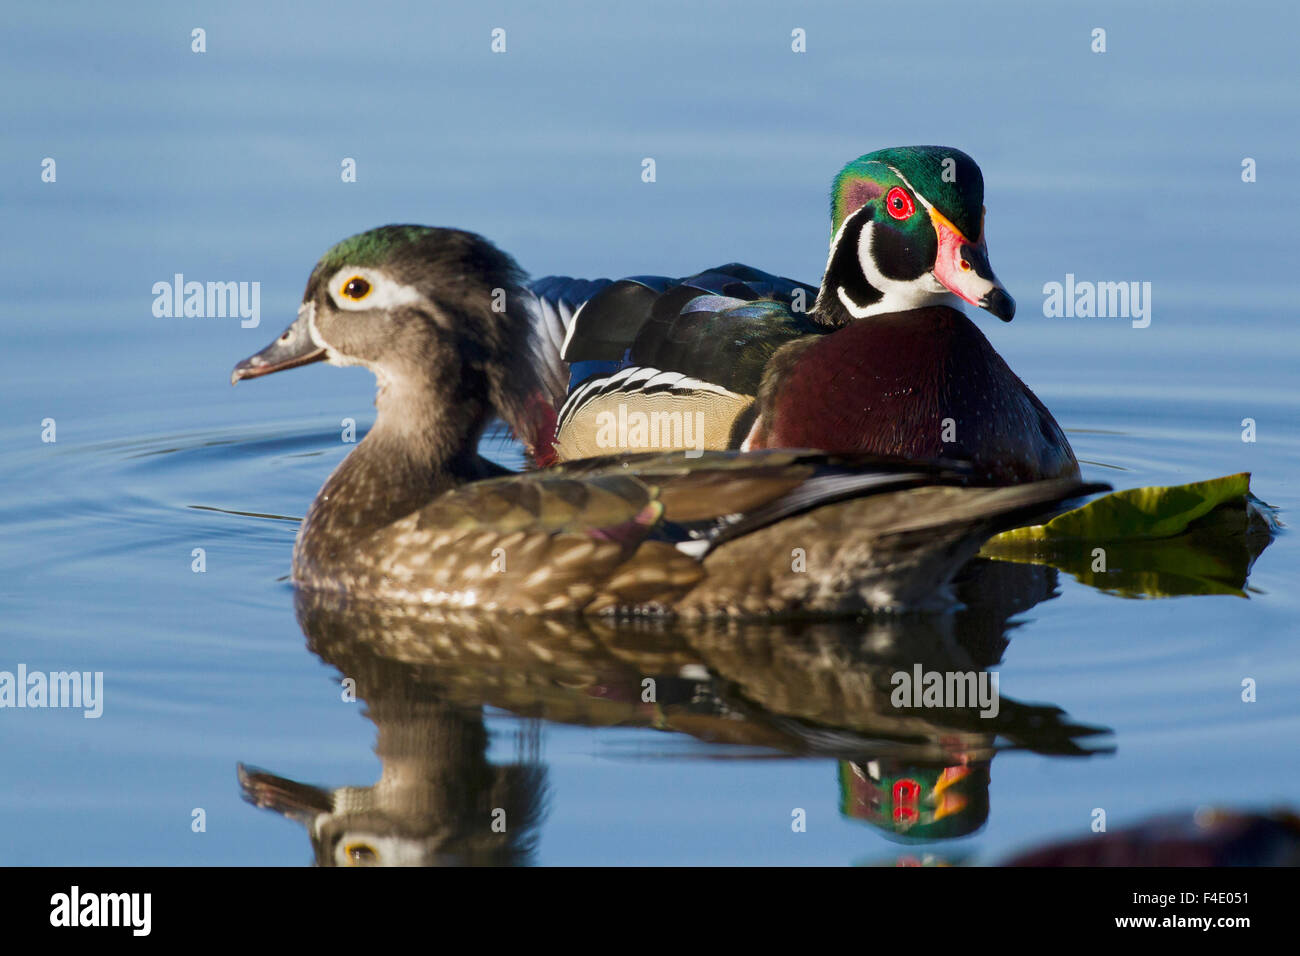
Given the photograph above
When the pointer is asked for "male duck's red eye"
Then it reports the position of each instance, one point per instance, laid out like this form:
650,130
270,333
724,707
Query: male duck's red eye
356,288
899,203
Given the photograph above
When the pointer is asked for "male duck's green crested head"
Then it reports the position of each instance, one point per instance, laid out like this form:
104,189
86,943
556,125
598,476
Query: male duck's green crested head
420,307
916,802
908,231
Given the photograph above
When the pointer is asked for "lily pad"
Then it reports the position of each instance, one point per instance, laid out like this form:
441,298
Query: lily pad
1152,512
1199,538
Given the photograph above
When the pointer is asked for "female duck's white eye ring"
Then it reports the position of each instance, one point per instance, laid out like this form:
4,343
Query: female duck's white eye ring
360,854
355,288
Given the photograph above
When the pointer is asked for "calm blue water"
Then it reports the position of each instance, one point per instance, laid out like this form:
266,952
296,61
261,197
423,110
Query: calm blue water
1122,166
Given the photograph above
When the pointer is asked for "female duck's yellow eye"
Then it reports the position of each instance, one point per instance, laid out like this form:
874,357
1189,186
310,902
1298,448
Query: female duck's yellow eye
356,288
359,854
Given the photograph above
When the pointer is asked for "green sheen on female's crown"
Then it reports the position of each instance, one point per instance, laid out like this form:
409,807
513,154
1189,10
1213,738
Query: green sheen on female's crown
375,247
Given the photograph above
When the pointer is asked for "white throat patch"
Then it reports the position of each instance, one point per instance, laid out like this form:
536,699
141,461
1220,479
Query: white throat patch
897,296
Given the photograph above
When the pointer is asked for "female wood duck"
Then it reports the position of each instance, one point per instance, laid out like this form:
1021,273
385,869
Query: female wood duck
882,362
414,514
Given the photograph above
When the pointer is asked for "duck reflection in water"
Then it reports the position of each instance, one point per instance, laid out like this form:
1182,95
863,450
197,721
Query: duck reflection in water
810,688
439,801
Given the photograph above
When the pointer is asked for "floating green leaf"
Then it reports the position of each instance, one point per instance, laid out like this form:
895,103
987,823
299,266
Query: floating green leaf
1200,538
1152,512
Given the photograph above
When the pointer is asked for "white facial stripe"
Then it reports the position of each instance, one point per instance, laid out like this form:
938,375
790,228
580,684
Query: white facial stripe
331,355
856,312
308,310
897,296
385,292
925,202
915,192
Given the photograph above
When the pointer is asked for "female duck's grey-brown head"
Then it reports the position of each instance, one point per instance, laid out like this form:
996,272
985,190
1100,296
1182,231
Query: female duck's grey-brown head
436,314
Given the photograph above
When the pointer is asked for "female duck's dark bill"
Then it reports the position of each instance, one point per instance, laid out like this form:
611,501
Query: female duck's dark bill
294,347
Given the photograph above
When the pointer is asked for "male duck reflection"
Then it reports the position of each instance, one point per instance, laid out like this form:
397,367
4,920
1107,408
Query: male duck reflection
415,514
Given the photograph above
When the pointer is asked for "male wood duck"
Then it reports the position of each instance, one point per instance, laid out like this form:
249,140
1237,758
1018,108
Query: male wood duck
884,361
415,514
